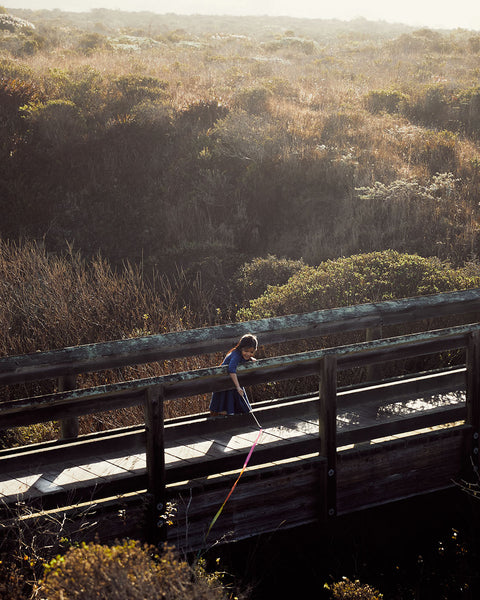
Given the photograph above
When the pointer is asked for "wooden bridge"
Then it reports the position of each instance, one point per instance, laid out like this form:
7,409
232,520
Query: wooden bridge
327,453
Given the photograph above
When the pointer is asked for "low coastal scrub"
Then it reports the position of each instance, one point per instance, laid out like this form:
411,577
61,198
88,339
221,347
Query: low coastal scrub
126,570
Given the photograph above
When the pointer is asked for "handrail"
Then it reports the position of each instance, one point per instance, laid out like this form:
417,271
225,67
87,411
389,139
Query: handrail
179,385
324,363
133,351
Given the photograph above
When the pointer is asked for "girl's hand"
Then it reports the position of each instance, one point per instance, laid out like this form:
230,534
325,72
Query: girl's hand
240,391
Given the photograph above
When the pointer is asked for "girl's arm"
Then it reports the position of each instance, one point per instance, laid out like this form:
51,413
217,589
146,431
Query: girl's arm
236,382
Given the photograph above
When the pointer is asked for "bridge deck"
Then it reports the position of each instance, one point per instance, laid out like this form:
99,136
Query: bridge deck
195,441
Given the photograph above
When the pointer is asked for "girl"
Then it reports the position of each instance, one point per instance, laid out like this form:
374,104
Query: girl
235,401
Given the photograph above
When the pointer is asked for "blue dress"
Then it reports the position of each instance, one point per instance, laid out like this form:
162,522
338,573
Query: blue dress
230,401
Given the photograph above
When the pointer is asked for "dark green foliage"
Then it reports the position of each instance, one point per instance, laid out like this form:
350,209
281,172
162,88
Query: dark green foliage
202,114
254,277
135,89
89,42
444,107
350,281
357,280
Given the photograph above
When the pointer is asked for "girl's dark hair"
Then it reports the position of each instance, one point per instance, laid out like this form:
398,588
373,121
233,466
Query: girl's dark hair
247,341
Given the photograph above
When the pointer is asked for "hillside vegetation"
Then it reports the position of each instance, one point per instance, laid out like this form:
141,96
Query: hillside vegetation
163,172
203,142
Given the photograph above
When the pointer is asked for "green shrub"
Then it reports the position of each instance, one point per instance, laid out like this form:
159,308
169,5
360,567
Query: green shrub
351,281
56,122
254,277
89,42
430,107
202,114
353,590
14,93
467,103
125,571
134,89
254,100
390,101
356,280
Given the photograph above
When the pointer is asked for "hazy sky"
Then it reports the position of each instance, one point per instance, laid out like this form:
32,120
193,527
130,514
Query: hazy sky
432,13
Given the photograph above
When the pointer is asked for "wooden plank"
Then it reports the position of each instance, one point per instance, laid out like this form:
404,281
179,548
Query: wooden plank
132,463
108,355
271,499
44,486
377,474
104,469
401,424
373,333
404,388
36,456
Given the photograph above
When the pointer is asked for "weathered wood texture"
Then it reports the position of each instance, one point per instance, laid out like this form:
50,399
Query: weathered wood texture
133,439
181,385
375,474
328,429
299,470
266,500
280,496
118,353
70,426
473,394
155,461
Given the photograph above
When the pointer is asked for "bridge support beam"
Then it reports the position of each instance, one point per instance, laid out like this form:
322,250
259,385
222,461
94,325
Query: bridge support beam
473,395
328,430
156,523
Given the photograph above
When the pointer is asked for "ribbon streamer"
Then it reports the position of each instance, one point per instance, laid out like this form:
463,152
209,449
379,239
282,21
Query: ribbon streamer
235,484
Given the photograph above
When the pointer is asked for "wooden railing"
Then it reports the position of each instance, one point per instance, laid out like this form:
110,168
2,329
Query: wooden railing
325,363
67,362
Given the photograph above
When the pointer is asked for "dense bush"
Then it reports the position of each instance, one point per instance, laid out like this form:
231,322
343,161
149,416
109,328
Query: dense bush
11,580
255,276
128,570
400,211
199,150
349,281
389,101
356,280
353,590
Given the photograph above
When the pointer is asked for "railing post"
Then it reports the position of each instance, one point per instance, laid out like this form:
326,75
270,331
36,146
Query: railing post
156,526
69,427
373,333
473,394
328,429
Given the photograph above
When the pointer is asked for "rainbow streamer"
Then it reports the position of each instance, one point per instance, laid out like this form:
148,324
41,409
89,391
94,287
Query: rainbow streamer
235,484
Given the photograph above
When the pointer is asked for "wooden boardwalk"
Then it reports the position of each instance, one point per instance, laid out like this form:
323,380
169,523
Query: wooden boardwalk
334,452
211,439
194,445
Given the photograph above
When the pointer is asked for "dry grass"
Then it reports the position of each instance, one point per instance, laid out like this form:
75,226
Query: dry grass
50,301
